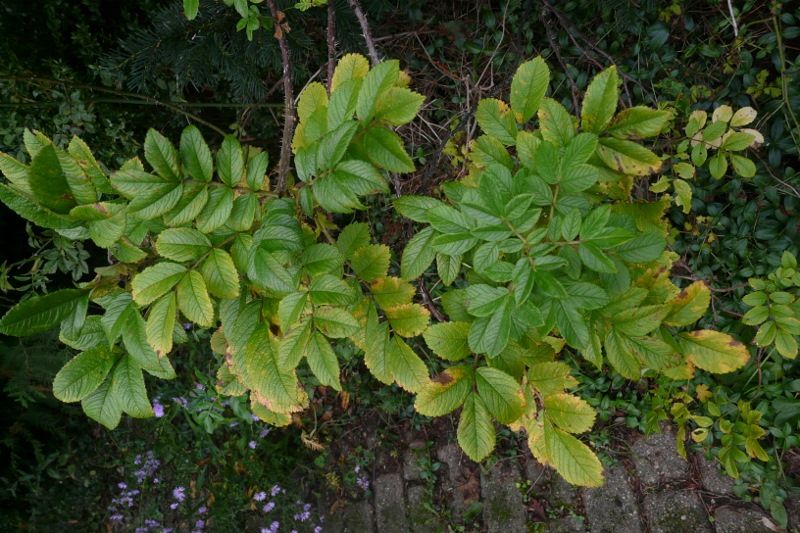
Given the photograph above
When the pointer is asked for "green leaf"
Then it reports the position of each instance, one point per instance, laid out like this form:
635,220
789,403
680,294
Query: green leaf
571,324
127,384
161,155
321,258
713,351
30,210
627,157
484,300
256,171
501,394
328,289
79,183
216,211
83,374
785,344
48,183
407,368
190,8
376,82
230,161
689,305
445,393
134,338
448,267
193,200
273,386
385,150
371,262
743,166
600,101
569,412
550,377
408,320
496,119
155,281
342,103
182,244
295,344
353,237
290,308
642,248
594,258
322,361
118,311
160,324
391,291
349,67
528,87
418,254
416,207
103,405
334,322
195,154
399,106
571,458
449,340
41,313
475,433
376,342
193,299
555,123
490,334
266,270
220,274
639,122
717,165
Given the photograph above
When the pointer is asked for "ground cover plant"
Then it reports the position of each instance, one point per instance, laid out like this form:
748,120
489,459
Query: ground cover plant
568,265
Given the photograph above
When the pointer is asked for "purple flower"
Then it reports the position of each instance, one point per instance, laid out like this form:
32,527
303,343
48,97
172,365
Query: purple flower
173,506
158,409
275,490
199,386
180,400
202,510
140,530
263,433
200,524
260,496
116,517
151,523
317,529
179,493
122,485
187,326
252,444
268,507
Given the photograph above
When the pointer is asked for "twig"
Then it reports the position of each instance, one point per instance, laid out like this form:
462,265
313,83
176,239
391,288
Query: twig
428,301
557,52
288,95
331,30
733,20
362,20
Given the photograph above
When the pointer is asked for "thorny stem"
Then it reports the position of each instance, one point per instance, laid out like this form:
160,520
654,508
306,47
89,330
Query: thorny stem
288,95
331,42
362,20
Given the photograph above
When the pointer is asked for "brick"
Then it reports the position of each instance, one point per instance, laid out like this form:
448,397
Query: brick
390,512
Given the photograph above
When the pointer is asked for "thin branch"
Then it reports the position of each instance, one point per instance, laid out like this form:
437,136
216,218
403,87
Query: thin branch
331,42
557,52
733,19
362,20
288,94
428,301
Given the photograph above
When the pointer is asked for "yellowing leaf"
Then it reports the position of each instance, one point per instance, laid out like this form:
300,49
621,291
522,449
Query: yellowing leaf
689,306
408,320
571,458
445,392
551,377
495,119
350,66
569,412
448,340
391,291
528,87
627,157
371,262
600,101
713,351
501,394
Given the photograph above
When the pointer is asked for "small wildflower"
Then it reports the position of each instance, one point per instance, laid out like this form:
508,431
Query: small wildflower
275,490
317,529
268,507
158,409
200,524
252,444
179,493
199,386
255,418
151,523
202,510
116,517
122,485
173,506
180,400
187,326
141,530
263,433
260,496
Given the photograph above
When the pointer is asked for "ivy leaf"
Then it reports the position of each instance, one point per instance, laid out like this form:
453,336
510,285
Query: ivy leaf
182,244
161,155
155,281
569,412
475,433
571,458
220,274
445,393
501,394
371,262
713,351
195,154
83,374
41,313
689,305
127,384
449,340
600,101
322,361
496,119
528,87
193,299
